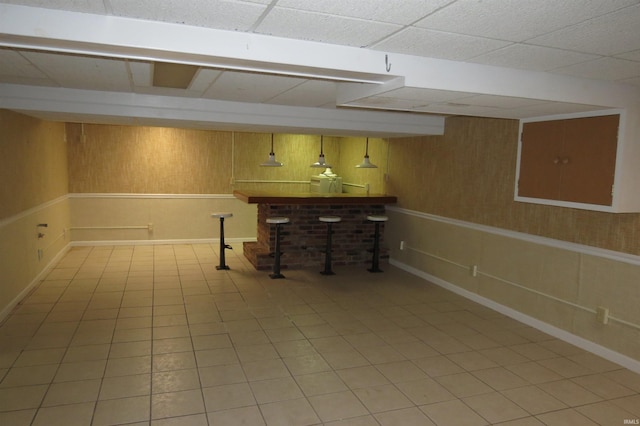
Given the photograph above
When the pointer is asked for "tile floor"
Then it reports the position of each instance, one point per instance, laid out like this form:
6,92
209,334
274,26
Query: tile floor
155,335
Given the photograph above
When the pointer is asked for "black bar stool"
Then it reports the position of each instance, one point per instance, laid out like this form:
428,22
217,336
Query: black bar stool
278,221
223,246
329,220
376,242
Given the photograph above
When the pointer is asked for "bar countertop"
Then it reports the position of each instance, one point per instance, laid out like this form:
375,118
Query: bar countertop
274,197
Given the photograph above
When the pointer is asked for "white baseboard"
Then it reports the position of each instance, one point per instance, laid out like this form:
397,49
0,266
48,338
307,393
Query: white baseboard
158,242
4,313
606,353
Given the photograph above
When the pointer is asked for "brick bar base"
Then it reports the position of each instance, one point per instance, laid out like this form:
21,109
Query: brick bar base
303,239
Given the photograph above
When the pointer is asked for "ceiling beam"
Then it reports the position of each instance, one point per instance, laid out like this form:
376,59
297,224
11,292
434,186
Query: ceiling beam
213,114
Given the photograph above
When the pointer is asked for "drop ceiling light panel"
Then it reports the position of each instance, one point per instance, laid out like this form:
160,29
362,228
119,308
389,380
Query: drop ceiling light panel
250,87
324,28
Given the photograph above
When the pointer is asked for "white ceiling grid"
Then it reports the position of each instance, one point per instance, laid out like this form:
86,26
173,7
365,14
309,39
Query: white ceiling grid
594,40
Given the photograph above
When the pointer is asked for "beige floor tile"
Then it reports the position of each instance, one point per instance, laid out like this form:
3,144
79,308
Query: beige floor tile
214,341
72,392
534,400
356,421
500,378
362,377
567,417
339,405
629,403
257,352
453,413
495,408
345,359
122,411
415,350
381,354
292,412
221,375
404,417
266,369
436,366
606,413
21,397
17,418
382,398
224,397
174,381
125,386
401,371
273,390
40,357
306,364
244,416
173,361
86,353
32,375
65,415
192,420
173,404
603,387
569,393
128,366
425,391
565,367
463,385
320,383
130,349
534,373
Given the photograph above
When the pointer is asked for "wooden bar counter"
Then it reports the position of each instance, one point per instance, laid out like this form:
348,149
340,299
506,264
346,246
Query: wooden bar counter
303,239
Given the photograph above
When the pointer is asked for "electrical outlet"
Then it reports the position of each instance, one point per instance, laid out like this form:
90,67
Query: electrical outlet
474,270
401,245
602,315
40,254
150,226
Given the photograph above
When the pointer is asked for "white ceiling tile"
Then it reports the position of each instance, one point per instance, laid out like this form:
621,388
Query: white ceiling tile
503,102
84,6
203,79
384,102
250,87
82,72
610,34
516,20
604,68
13,64
323,28
393,11
311,93
425,96
534,58
225,15
438,44
141,73
459,109
632,56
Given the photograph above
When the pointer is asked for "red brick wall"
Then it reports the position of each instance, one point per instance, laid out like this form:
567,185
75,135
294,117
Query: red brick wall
304,238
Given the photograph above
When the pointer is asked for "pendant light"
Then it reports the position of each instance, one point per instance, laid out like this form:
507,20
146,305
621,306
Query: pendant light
321,163
366,164
271,162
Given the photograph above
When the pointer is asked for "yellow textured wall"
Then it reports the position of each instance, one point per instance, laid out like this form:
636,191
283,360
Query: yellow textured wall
33,163
469,174
152,160
156,160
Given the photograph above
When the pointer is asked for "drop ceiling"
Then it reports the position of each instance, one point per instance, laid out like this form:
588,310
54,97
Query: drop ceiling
384,67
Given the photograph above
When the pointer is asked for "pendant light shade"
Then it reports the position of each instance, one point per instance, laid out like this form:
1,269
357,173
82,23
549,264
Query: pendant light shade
366,164
271,162
321,162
